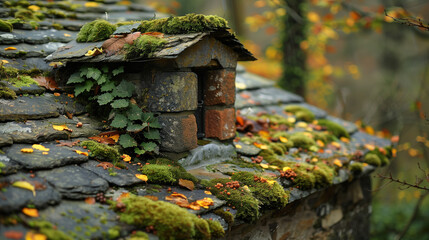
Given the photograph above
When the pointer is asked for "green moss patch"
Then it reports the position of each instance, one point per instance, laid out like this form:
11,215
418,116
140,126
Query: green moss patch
95,31
144,47
169,221
6,93
101,151
166,174
191,23
310,176
356,167
335,128
301,113
227,216
302,140
49,230
5,26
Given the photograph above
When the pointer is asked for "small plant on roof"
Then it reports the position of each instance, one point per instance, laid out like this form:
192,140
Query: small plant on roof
116,94
144,47
95,31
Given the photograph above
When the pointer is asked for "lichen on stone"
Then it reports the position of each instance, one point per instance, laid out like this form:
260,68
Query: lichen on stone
95,31
144,47
301,113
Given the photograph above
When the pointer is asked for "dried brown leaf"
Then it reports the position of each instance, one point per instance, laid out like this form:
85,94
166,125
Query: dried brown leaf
113,45
46,82
186,184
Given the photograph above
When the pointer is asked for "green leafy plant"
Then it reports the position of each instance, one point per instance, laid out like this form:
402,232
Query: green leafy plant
140,129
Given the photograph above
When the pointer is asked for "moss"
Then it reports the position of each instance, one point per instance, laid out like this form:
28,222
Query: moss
227,216
6,93
26,15
382,158
57,26
169,221
310,176
301,113
356,167
101,151
158,174
22,81
95,31
269,156
144,47
191,23
48,229
279,148
139,235
246,204
324,175
372,159
272,119
55,13
324,136
216,229
5,26
114,232
335,128
118,24
271,195
302,140
1,166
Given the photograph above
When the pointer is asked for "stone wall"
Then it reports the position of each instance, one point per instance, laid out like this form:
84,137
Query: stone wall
337,212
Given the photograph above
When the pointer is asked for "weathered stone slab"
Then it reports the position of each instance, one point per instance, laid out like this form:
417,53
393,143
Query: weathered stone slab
37,36
265,96
70,24
80,220
29,63
74,182
29,50
24,108
9,166
14,198
178,132
122,177
4,229
248,81
57,156
141,8
31,89
5,140
359,139
73,50
246,149
102,8
208,154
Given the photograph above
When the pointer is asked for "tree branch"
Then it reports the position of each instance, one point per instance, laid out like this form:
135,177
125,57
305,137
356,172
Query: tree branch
405,183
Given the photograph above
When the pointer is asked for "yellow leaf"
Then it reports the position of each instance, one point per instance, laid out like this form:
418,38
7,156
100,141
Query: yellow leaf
40,147
32,212
142,177
208,192
94,52
27,150
25,185
320,143
263,165
34,8
302,125
67,35
238,146
344,139
273,167
10,48
336,144
91,4
35,236
271,182
45,153
205,203
60,127
370,147
369,130
338,163
286,168
313,17
283,139
126,157
55,64
364,164
291,119
81,153
4,61
240,85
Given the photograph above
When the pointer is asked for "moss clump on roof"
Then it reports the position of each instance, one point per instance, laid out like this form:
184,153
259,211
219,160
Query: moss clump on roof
310,176
6,93
216,229
95,31
225,215
5,26
22,81
169,221
302,140
191,23
49,230
267,191
26,15
139,235
372,159
272,119
377,157
356,168
101,151
166,174
144,47
335,128
301,113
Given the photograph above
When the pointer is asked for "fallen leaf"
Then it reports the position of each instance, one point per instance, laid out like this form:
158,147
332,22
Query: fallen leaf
238,146
68,144
32,212
205,202
69,115
263,165
67,35
94,52
91,4
13,234
113,45
35,236
4,61
90,200
344,139
286,168
271,182
240,120
208,192
46,82
186,184
55,64
320,143
45,153
103,139
370,147
283,139
60,127
126,158
10,48
105,165
25,185
40,147
122,196
142,177
81,153
34,8
153,198
338,163
57,94
194,206
336,144
27,150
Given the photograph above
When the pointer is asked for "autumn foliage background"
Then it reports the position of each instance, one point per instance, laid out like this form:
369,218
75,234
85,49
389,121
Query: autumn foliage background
364,63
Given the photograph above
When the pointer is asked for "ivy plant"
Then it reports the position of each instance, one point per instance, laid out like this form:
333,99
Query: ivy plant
140,129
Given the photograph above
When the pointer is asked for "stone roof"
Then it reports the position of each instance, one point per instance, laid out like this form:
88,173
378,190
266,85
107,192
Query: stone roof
62,181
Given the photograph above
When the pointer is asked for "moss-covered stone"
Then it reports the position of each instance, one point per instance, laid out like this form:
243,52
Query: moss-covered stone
6,93
216,229
139,235
356,167
191,23
26,15
227,216
335,128
101,151
5,26
144,47
22,81
169,221
49,230
95,31
166,174
272,119
372,159
310,176
302,140
301,113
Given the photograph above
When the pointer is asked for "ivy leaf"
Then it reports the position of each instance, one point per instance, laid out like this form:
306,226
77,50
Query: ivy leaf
84,71
105,98
103,78
155,123
139,151
93,73
124,90
136,127
86,86
134,112
149,146
120,121
127,141
75,78
152,134
120,103
146,117
105,69
108,87
118,70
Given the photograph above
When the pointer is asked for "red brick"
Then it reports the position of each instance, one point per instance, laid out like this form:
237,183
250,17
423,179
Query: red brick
219,87
220,123
178,133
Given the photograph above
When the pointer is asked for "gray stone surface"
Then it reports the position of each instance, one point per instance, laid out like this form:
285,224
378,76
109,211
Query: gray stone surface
246,149
24,108
74,182
4,229
5,140
248,81
178,132
80,220
359,139
211,153
29,63
9,166
31,89
57,156
37,37
30,50
265,96
14,198
123,177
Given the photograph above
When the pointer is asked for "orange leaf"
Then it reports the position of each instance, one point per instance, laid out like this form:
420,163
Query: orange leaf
35,236
90,200
205,202
178,195
126,157
338,163
32,212
186,184
60,127
46,82
104,139
123,195
57,94
13,234
208,192
142,177
81,153
355,15
370,147
10,48
113,45
283,139
240,120
153,198
27,150
194,206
